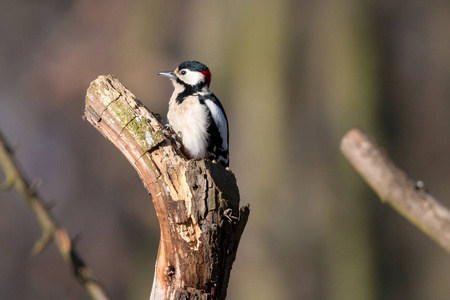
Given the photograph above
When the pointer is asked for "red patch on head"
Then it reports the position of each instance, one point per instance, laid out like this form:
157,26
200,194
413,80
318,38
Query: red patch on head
207,75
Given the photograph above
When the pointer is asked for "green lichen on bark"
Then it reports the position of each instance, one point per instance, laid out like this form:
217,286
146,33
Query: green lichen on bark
114,98
137,126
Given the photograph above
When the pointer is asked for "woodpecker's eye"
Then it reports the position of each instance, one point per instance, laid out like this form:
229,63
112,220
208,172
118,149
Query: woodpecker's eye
183,72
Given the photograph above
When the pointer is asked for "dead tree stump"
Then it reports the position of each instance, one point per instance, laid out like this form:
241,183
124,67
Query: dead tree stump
196,202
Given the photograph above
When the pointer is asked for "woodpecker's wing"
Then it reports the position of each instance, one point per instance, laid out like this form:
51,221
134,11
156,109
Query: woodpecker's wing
217,130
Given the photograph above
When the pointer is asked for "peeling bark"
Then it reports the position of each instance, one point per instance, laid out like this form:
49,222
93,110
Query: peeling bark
196,202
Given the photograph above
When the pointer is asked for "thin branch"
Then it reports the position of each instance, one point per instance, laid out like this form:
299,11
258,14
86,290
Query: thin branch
51,230
393,186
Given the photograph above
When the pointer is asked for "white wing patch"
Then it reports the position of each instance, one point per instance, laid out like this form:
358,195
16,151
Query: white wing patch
220,120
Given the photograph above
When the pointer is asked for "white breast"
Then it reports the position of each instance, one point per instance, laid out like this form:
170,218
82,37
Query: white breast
190,119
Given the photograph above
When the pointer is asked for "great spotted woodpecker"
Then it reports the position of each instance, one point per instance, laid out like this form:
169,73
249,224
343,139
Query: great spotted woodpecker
196,114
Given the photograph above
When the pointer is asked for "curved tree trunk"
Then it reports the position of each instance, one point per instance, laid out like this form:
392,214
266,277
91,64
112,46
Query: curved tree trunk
196,202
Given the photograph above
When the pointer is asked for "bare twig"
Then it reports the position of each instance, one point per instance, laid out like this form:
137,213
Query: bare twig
393,186
51,230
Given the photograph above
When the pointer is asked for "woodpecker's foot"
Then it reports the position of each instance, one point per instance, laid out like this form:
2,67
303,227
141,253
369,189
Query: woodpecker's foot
177,143
228,213
167,130
178,138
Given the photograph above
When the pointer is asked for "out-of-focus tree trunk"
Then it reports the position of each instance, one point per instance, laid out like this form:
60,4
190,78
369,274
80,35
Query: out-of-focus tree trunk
342,67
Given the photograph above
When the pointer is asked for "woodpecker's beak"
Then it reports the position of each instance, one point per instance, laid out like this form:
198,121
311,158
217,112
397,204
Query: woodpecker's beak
170,75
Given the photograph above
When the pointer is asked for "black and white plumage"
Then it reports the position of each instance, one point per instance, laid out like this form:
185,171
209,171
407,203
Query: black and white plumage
196,114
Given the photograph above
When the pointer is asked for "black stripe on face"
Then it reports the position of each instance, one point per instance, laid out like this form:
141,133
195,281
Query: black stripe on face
189,90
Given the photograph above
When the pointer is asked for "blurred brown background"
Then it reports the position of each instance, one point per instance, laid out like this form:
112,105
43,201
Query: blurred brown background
294,76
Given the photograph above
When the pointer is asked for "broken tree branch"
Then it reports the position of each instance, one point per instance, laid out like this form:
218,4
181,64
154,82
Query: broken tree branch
394,187
51,230
196,202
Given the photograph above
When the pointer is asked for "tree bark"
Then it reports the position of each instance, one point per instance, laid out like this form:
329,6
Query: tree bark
393,186
196,202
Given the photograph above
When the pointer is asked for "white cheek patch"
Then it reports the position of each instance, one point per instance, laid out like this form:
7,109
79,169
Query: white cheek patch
192,78
220,120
